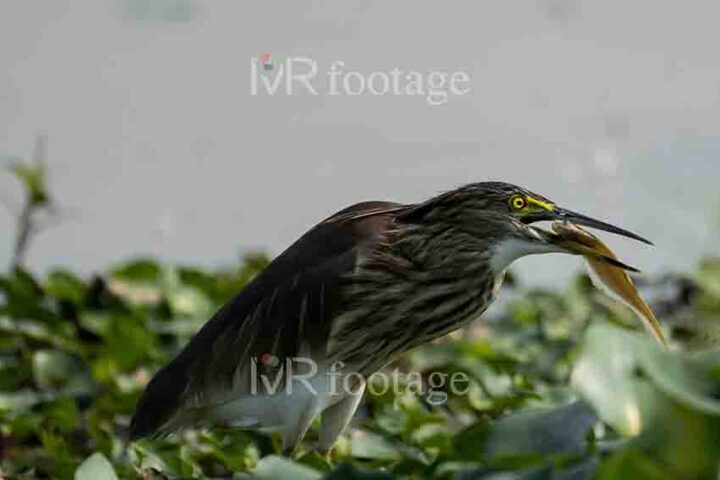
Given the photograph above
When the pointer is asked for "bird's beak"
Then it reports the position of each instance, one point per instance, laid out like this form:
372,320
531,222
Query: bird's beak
585,221
563,215
563,244
557,214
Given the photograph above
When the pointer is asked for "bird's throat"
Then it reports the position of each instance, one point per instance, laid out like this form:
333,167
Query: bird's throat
509,250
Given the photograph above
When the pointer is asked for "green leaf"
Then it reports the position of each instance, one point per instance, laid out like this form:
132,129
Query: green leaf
633,464
667,400
127,341
19,402
368,445
95,467
347,471
708,276
57,371
58,448
21,285
142,271
62,414
189,301
315,461
562,430
469,444
274,467
65,286
33,179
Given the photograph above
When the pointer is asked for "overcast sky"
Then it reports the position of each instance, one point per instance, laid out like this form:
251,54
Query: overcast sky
157,146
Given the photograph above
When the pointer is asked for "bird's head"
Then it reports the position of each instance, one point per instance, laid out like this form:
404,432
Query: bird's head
501,215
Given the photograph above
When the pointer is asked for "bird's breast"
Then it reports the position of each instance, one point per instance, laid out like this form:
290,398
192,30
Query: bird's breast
382,322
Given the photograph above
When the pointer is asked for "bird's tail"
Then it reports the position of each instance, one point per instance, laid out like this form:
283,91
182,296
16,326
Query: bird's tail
160,402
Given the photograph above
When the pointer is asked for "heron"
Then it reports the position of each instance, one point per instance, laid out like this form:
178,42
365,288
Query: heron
357,290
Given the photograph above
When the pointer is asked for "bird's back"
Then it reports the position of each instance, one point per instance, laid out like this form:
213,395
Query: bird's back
286,309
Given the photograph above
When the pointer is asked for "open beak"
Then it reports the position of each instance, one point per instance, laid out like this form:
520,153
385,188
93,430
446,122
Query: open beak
585,221
560,214
575,248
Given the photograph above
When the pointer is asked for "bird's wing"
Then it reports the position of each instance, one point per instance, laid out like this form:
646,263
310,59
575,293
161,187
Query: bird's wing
286,309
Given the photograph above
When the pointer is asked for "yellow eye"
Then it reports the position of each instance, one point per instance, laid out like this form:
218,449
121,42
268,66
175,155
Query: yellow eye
517,202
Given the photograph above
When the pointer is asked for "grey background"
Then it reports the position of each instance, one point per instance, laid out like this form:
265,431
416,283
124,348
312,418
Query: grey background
157,147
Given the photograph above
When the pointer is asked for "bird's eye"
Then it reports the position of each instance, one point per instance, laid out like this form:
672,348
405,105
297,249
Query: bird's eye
518,202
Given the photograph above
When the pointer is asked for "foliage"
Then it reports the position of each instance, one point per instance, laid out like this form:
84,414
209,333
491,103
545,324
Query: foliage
558,386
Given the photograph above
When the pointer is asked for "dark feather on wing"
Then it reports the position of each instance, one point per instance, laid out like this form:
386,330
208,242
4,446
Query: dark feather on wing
288,306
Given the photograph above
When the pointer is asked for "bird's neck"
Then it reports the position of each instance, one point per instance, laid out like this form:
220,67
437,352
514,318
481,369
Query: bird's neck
445,250
420,287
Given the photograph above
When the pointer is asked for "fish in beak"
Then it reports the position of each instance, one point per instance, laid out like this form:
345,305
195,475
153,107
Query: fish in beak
567,243
552,213
546,211
566,216
606,270
611,279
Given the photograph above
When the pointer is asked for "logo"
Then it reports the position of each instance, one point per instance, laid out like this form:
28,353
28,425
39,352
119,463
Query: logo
268,63
269,75
269,360
270,375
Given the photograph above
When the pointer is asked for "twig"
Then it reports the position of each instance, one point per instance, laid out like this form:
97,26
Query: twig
27,222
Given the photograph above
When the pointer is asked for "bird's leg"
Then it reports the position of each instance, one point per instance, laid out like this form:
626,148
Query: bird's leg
296,430
335,418
287,450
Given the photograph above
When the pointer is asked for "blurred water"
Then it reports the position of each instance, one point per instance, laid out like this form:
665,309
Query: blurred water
157,146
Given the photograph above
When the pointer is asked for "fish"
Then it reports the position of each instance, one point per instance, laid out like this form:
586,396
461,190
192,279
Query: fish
609,274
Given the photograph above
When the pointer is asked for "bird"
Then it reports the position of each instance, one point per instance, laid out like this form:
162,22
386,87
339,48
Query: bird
354,292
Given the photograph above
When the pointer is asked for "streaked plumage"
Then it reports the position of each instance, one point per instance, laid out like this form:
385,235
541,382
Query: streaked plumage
361,287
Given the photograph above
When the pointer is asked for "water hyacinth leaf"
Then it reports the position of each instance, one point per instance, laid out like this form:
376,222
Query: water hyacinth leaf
127,342
138,271
561,430
583,469
632,464
274,467
709,277
63,413
58,371
65,286
655,396
163,457
19,402
540,473
347,471
58,448
371,446
27,288
527,445
28,328
136,293
690,378
627,361
605,376
189,301
433,437
315,460
95,467
184,300
545,472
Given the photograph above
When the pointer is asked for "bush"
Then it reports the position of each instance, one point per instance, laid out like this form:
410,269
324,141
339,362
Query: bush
558,387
